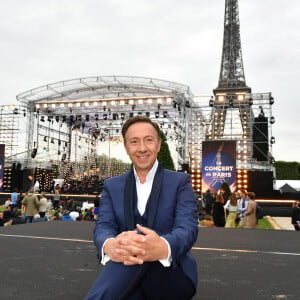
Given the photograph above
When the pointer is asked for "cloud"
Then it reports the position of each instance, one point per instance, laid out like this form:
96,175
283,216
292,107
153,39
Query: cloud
49,41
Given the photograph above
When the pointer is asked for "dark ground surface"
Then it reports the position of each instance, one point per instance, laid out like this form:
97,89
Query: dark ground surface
57,260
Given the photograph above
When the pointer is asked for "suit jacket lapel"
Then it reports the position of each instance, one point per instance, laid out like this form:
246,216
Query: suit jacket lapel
154,196
128,201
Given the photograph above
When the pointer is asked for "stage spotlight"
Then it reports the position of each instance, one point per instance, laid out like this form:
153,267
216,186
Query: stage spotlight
211,102
33,153
122,116
45,139
115,117
165,114
157,114
251,101
272,120
96,117
87,118
272,140
148,114
271,100
64,118
262,113
57,119
42,119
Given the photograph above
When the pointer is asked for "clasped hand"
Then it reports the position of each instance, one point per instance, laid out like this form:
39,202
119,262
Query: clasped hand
131,248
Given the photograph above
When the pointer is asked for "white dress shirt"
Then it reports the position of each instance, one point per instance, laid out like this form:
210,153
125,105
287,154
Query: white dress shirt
144,189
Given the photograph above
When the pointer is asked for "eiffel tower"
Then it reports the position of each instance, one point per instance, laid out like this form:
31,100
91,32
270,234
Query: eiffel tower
236,113
232,91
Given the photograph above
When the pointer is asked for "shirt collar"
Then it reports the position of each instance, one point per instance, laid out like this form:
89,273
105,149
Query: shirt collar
150,175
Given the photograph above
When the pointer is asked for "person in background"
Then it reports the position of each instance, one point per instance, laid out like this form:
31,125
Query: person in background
7,203
31,204
147,225
66,216
207,221
208,200
1,219
231,207
218,211
14,198
9,214
250,213
43,204
242,207
74,214
20,199
296,215
49,204
56,197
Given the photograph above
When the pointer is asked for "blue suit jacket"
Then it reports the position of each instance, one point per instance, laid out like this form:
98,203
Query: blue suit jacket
171,213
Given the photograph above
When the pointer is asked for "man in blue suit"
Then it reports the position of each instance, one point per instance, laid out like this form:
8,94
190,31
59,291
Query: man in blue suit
147,225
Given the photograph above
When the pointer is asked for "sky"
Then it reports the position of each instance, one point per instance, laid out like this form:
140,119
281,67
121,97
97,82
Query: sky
50,41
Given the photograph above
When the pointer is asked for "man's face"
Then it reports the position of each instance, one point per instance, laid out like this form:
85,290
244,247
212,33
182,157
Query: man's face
142,145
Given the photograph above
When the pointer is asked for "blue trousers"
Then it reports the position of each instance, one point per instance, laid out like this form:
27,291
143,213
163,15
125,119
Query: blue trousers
150,281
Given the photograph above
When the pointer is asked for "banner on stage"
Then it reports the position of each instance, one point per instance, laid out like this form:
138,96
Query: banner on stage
218,165
2,151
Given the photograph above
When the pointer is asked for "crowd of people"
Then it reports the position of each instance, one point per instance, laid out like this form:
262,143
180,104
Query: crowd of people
238,210
31,207
230,211
87,185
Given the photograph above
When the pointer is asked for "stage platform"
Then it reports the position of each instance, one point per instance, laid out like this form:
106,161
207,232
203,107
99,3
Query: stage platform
57,260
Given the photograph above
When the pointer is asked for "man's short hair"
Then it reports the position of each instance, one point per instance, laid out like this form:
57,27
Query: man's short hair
251,195
244,192
139,119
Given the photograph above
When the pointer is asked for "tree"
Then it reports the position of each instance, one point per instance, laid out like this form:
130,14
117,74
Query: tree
287,170
164,156
111,166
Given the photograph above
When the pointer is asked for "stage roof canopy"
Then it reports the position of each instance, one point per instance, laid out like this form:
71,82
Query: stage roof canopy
101,87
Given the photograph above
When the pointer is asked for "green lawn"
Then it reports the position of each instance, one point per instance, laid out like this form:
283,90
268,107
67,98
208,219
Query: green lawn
2,208
262,224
